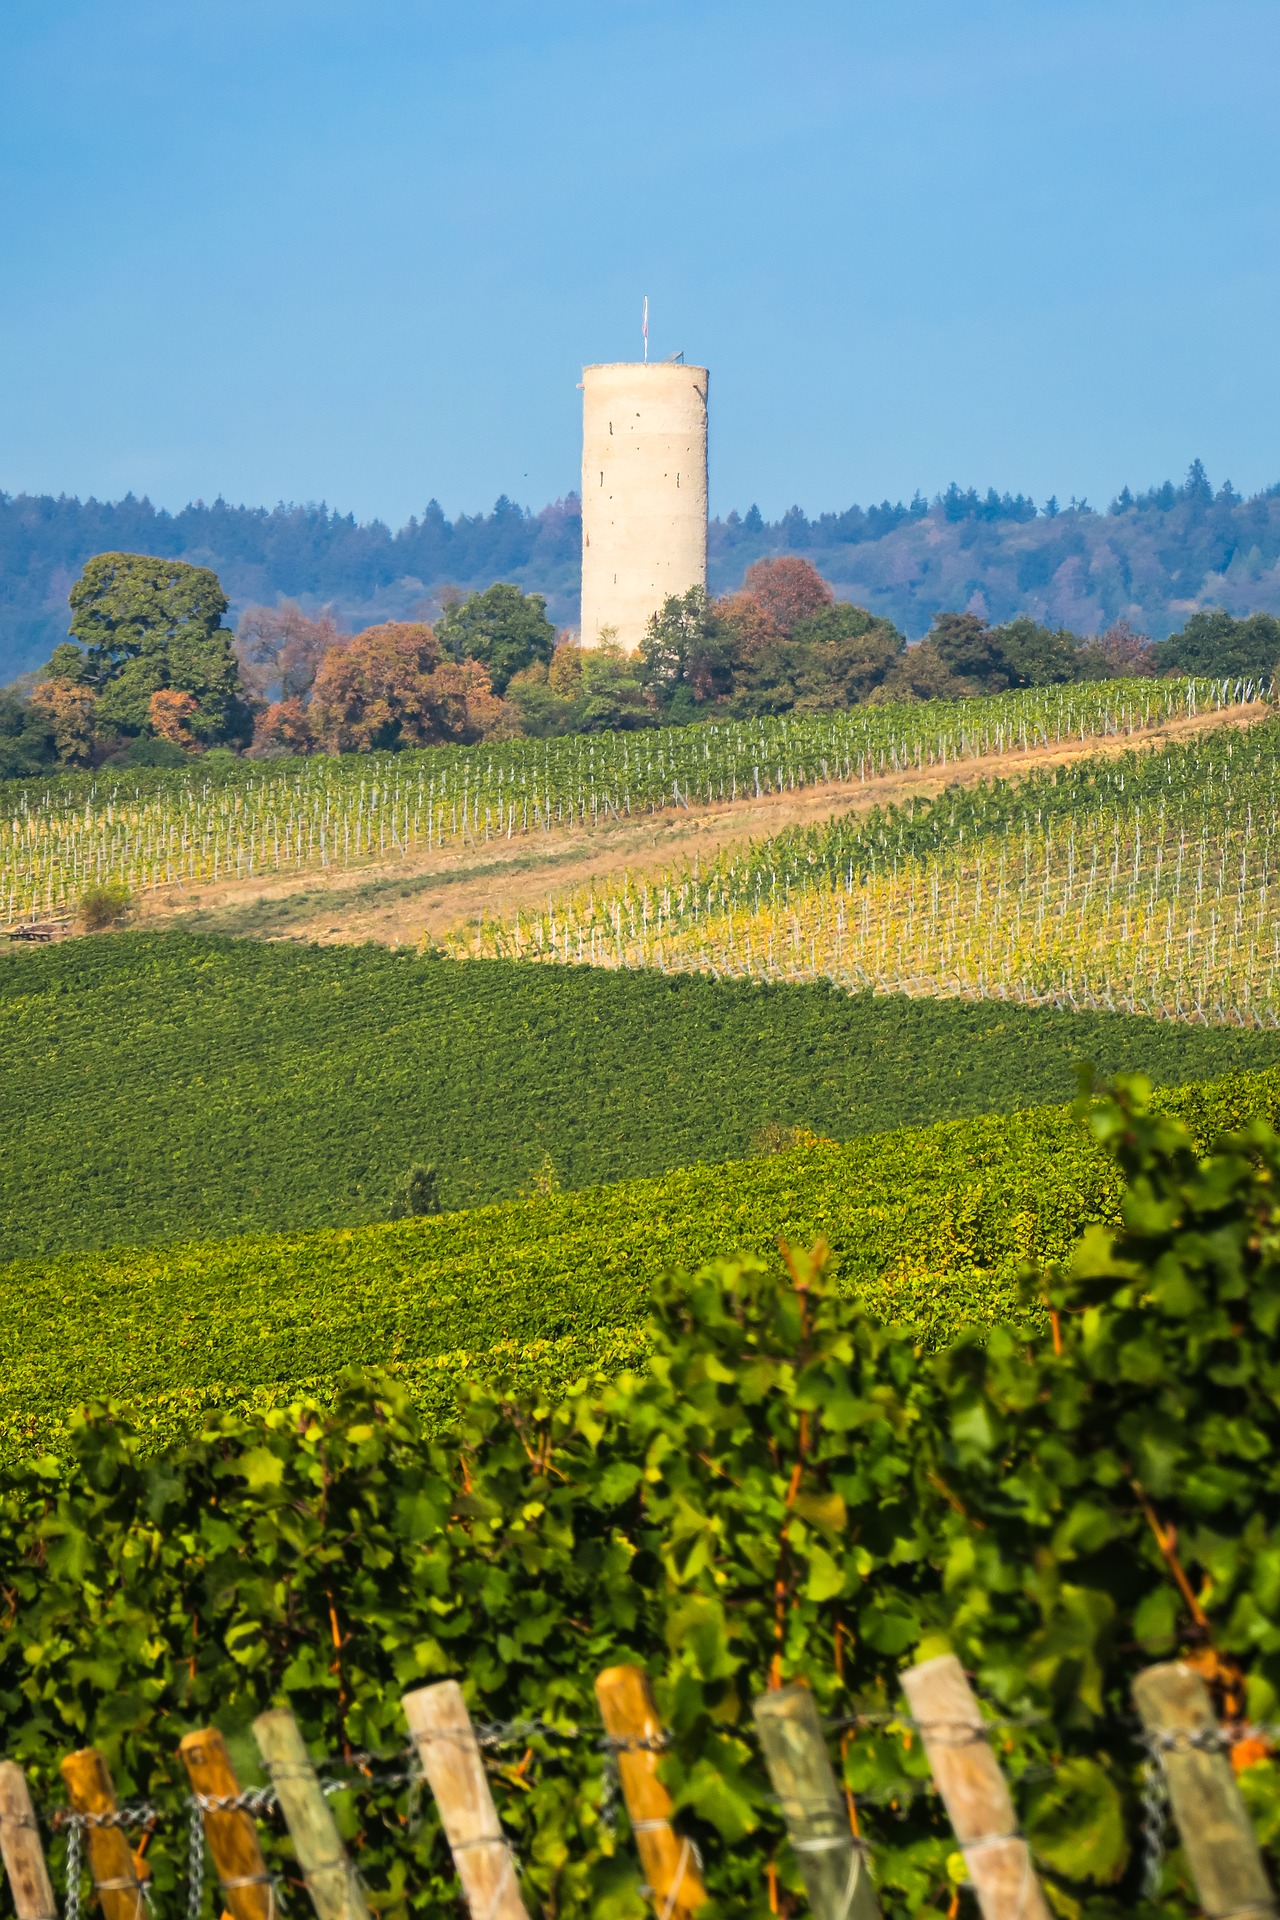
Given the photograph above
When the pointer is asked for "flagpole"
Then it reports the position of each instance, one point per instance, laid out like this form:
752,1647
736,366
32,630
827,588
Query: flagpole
645,329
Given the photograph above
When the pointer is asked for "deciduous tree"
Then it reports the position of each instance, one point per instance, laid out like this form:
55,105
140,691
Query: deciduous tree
388,688
504,629
171,711
787,591
144,626
69,709
284,727
26,737
1038,656
1119,654
970,650
1212,642
689,648
280,649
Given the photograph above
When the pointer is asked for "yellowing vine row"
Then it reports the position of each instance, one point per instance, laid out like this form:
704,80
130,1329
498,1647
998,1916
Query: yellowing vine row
157,829
1147,886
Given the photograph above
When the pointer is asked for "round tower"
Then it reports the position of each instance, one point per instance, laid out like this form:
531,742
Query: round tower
644,493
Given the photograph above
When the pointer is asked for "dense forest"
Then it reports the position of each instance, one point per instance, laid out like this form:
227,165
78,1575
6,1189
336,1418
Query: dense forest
1149,559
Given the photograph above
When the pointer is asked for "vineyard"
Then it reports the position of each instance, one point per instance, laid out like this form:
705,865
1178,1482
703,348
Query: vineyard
927,1228
788,1496
1145,884
173,1087
147,830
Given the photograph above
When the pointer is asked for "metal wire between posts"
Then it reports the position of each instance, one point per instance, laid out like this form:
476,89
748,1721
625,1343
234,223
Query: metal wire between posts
143,1815
371,1772
1155,1789
195,1858
1155,1815
73,1872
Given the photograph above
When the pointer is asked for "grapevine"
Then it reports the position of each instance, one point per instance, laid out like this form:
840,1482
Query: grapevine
1145,885
152,829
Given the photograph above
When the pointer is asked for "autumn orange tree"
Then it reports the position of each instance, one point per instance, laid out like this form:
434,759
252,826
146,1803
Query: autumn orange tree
171,711
69,712
389,688
787,590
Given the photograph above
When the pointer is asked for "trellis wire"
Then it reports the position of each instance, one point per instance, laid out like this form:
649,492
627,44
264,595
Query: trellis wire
142,1814
1155,1815
1155,1792
158,829
1146,888
496,1734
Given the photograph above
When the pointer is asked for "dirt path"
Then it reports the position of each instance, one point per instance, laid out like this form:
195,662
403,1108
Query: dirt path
430,891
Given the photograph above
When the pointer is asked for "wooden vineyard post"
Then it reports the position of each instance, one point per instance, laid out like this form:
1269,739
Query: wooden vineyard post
231,1831
336,1893
112,1862
974,1790
631,1720
452,1762
1217,1834
832,1863
21,1850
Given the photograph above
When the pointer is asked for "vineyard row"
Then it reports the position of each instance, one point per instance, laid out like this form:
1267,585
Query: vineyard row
1147,887
150,829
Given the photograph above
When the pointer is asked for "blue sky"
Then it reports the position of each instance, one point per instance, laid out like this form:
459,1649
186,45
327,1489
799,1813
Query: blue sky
358,250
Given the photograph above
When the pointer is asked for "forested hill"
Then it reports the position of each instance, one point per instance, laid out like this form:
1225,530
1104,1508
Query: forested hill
1150,558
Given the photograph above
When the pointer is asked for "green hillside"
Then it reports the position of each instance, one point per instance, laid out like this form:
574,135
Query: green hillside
165,1087
928,1227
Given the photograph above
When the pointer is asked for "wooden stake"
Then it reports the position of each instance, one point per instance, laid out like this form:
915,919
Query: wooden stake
1216,1831
116,1870
973,1790
831,1859
451,1759
336,1893
232,1833
631,1717
21,1850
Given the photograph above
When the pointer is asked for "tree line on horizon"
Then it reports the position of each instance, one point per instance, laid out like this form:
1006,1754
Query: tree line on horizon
152,676
1150,559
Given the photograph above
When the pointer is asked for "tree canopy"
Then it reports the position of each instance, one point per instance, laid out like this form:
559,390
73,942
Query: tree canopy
388,688
151,675
504,629
1212,642
1146,559
144,627
26,737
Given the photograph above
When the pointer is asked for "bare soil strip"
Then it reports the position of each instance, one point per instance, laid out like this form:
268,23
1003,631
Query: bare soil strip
427,892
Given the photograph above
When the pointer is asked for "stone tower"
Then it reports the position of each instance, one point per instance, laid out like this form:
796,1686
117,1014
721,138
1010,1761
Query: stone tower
644,493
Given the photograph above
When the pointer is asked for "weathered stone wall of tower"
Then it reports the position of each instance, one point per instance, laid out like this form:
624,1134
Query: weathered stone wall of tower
644,493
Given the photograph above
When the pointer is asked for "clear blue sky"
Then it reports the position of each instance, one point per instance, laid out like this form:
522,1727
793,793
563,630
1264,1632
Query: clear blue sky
357,250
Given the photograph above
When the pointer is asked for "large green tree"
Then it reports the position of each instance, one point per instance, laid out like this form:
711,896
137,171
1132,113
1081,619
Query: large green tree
26,737
502,628
687,654
1212,643
146,626
1039,656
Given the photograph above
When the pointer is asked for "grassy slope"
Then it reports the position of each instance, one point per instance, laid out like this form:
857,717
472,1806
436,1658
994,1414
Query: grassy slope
159,1087
928,1227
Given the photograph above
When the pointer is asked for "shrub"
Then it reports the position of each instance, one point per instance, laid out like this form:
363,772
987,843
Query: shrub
104,906
416,1193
